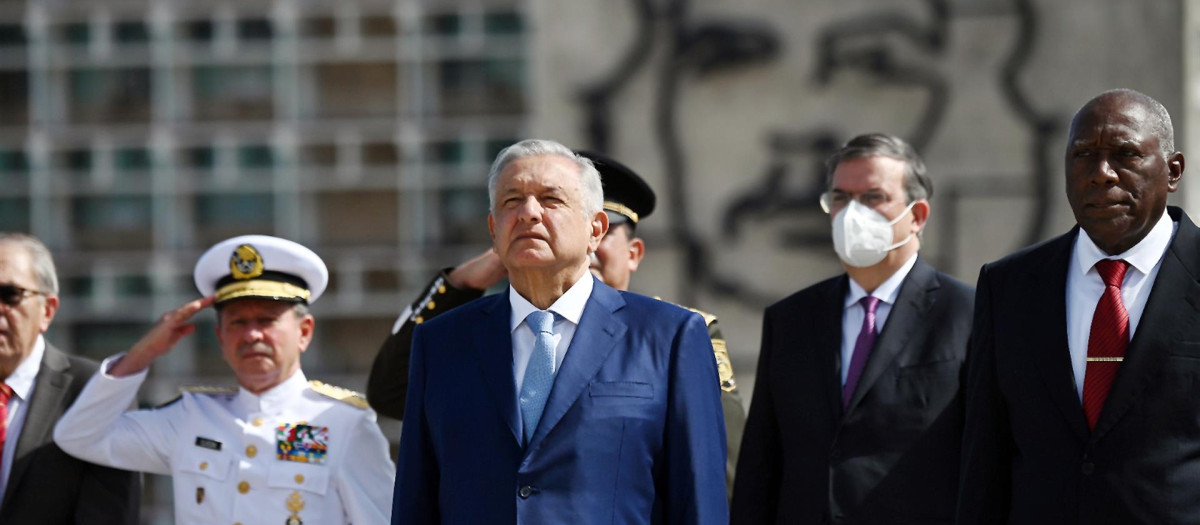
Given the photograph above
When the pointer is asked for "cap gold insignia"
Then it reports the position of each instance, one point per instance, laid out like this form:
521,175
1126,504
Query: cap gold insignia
295,504
245,263
622,209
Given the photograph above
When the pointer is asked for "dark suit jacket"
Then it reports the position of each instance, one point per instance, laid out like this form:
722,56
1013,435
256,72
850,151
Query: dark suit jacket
632,431
892,457
1028,457
48,487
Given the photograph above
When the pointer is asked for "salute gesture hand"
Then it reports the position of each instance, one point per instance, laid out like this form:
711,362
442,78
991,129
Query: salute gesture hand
161,338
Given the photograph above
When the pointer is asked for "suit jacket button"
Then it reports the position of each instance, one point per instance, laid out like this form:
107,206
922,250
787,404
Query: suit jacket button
1087,468
525,492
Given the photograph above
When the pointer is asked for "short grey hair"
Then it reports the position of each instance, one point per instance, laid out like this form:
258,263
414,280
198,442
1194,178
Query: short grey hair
1159,118
39,255
917,184
593,190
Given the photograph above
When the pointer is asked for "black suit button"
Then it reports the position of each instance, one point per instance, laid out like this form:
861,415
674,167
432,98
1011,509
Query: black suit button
1087,468
525,492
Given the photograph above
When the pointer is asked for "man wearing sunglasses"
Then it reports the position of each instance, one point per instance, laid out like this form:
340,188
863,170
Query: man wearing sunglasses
856,416
40,483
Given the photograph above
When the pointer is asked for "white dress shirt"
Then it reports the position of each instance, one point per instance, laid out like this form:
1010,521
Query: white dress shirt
569,308
1084,287
853,313
22,381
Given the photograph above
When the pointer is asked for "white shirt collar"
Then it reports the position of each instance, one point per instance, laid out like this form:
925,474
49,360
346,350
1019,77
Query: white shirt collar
888,291
21,379
569,306
1143,256
272,401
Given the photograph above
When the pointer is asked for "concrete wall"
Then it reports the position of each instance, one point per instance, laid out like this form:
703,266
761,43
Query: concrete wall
986,91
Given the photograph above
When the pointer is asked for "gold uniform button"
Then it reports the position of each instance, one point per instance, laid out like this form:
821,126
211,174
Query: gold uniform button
258,421
237,523
251,451
203,465
299,478
442,289
243,487
430,305
420,319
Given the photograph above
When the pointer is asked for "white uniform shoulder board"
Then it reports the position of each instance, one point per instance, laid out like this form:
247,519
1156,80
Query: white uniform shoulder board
349,397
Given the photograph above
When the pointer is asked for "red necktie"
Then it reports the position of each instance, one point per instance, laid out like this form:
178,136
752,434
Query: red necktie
1108,339
6,393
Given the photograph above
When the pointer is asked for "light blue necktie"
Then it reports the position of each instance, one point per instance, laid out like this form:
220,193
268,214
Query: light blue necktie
539,374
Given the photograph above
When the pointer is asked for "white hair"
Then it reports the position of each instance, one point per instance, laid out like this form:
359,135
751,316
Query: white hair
39,255
589,178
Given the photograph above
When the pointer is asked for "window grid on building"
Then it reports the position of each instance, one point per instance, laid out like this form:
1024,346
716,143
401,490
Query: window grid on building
134,134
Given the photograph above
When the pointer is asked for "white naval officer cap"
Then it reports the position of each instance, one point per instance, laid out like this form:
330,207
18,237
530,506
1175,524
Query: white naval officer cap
261,267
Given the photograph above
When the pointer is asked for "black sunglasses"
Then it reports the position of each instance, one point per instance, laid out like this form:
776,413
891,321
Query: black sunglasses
12,295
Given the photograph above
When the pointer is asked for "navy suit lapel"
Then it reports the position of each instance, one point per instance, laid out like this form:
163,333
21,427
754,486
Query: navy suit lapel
493,342
594,339
912,303
46,404
1046,317
1172,306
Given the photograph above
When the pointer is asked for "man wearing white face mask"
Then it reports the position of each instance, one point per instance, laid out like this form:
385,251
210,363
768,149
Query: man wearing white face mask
856,416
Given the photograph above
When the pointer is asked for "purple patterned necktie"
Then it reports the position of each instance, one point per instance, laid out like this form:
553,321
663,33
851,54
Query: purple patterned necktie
862,349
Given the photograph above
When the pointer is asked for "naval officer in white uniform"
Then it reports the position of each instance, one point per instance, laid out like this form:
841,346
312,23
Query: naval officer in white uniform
277,449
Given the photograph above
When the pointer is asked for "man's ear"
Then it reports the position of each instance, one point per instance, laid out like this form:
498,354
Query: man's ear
920,213
307,326
637,250
599,227
1174,171
49,308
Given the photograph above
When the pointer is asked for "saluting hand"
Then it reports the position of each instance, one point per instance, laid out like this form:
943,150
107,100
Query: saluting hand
161,338
479,273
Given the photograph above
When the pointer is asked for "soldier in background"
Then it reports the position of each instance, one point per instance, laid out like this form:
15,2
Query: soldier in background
627,200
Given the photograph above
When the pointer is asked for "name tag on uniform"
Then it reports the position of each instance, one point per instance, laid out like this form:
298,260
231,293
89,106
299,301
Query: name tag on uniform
302,443
210,444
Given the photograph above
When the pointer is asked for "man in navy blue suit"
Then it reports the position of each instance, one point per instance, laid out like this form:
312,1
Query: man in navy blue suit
563,400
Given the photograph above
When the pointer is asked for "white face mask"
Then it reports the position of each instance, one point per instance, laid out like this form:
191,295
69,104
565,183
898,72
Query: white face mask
862,237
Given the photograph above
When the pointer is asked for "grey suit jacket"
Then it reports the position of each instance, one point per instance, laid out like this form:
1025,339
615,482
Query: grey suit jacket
48,487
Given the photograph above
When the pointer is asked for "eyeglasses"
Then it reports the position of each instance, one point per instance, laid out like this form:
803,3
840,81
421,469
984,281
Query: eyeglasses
12,295
832,201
